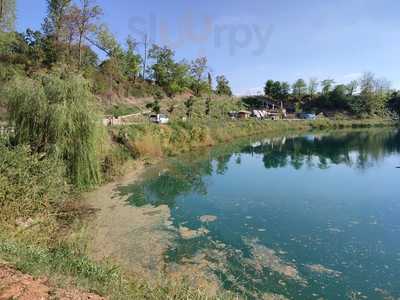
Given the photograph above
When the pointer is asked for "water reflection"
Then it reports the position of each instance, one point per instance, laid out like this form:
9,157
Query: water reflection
286,219
355,149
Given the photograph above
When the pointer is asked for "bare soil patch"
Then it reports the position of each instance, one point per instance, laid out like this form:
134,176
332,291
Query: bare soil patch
16,285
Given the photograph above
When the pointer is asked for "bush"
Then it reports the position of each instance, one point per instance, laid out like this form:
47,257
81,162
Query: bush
29,183
54,114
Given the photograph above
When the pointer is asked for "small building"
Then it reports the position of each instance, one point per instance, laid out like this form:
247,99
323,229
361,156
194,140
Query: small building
243,114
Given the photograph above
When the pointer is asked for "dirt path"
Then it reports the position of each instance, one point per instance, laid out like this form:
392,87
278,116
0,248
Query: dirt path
16,285
134,238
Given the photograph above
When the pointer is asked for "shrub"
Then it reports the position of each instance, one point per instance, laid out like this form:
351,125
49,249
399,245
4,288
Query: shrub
54,114
29,183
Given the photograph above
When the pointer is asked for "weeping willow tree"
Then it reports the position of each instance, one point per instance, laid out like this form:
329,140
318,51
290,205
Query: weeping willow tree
54,114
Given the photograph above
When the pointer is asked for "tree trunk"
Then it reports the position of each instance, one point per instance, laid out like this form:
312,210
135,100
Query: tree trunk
145,58
80,50
1,9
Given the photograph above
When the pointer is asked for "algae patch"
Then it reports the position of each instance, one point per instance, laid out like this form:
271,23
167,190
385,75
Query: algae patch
263,257
208,218
136,238
187,233
323,270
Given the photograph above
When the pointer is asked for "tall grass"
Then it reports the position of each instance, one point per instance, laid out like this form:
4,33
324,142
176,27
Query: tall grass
29,184
151,140
54,114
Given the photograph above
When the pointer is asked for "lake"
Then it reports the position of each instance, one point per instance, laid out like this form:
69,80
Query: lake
315,216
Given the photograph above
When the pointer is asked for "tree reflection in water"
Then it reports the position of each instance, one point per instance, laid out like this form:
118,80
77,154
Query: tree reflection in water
356,149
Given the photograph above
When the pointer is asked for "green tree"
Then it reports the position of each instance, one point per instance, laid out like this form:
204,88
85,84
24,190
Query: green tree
394,103
198,69
276,90
189,103
112,67
313,87
88,13
327,86
367,95
268,89
55,22
208,106
133,60
223,87
7,15
105,41
173,77
299,88
338,97
55,115
285,91
154,106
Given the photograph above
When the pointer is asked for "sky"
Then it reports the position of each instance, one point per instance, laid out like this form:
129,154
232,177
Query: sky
253,41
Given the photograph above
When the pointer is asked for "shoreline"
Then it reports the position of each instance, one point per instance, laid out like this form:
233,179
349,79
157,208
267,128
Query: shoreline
136,238
155,141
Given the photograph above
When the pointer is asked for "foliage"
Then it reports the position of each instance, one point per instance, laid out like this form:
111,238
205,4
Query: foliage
118,110
29,184
189,103
171,76
223,88
54,115
154,106
299,89
394,103
325,96
200,84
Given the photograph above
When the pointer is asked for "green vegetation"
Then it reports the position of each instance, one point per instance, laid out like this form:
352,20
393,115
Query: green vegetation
150,140
66,266
30,184
54,114
118,110
53,87
365,97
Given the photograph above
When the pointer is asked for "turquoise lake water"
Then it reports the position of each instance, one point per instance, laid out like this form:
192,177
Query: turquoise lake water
315,216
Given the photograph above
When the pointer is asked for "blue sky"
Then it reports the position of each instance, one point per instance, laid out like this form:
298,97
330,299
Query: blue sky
267,39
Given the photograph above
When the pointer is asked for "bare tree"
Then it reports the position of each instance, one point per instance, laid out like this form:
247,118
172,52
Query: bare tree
88,13
71,30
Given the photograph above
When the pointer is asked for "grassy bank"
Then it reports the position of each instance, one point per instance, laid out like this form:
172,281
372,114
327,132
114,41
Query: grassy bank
151,140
